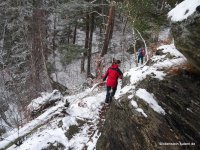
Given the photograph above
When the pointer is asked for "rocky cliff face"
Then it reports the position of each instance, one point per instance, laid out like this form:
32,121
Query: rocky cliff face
178,95
187,37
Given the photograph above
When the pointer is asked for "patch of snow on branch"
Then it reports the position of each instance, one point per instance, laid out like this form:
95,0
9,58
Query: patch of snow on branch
46,97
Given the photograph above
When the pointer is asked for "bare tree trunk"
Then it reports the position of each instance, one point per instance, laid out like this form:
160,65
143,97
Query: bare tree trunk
108,35
40,78
86,43
134,50
108,29
103,13
54,44
83,62
69,34
74,37
3,38
163,5
124,29
134,46
112,23
91,28
145,45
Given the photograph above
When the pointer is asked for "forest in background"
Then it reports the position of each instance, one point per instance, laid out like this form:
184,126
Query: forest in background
33,30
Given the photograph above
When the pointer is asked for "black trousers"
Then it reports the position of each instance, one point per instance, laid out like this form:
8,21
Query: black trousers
140,57
110,93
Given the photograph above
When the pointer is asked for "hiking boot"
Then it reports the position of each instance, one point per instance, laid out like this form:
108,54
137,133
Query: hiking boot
110,99
107,101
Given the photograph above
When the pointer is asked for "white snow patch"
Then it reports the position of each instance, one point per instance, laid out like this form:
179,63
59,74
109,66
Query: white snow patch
41,140
138,74
183,10
46,97
68,121
134,104
84,106
147,97
141,111
123,91
30,126
130,96
171,49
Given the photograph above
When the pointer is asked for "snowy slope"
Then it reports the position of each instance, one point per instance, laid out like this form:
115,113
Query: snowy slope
85,111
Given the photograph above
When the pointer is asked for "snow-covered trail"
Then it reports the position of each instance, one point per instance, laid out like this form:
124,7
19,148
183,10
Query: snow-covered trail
77,127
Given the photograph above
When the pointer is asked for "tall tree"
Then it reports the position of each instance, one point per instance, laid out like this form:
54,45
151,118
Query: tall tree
40,77
87,34
107,37
91,30
109,28
74,35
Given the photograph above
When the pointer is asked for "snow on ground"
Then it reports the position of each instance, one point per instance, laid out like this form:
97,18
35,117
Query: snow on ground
11,136
84,106
52,126
183,10
40,140
147,97
156,71
139,73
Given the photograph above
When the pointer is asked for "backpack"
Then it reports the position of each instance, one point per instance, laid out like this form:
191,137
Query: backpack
143,52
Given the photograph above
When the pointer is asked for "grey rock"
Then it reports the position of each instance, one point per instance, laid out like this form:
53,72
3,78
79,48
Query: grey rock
187,37
178,95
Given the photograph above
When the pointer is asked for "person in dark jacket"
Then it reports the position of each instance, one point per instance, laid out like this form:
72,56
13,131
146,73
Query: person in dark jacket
141,54
112,75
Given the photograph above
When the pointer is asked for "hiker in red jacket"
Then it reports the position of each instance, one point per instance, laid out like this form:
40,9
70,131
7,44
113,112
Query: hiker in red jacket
112,75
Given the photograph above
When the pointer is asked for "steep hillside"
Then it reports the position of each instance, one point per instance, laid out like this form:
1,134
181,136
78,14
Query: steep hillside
158,110
153,109
156,106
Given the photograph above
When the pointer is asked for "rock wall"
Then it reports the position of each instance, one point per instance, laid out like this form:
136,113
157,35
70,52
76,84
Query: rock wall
178,95
187,37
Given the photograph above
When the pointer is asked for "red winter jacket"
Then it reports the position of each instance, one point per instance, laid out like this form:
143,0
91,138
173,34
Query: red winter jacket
112,75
